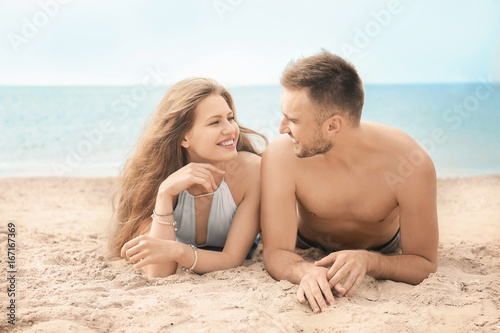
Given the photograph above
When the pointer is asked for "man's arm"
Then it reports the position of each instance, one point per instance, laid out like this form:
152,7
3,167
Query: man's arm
419,230
279,215
279,227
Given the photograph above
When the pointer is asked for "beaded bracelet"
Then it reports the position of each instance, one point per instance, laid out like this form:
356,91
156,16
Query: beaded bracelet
190,270
173,224
158,214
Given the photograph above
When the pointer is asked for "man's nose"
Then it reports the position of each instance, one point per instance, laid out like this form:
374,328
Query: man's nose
284,126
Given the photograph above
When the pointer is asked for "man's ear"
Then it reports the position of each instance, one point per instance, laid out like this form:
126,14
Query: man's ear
333,125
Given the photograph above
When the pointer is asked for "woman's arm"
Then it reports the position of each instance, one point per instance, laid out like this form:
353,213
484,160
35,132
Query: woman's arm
242,234
244,227
162,231
160,255
158,252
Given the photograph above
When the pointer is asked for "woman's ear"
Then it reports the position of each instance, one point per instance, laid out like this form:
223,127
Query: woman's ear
185,143
334,125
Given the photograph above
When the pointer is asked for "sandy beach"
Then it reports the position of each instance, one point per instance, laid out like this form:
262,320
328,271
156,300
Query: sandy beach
65,283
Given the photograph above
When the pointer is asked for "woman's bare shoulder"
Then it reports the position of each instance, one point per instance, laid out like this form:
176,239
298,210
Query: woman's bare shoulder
243,174
248,165
249,158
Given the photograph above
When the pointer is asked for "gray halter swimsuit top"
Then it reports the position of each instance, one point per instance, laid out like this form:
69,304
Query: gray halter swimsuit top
221,214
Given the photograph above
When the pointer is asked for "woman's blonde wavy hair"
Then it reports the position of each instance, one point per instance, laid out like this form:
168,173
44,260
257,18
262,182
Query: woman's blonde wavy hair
159,154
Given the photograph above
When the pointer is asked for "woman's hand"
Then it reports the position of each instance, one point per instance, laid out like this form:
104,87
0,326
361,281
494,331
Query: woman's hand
189,175
146,250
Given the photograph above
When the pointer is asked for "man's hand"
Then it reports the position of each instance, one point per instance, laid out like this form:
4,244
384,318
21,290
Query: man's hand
314,286
351,265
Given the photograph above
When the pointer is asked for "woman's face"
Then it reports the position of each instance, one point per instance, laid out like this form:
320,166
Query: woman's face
214,134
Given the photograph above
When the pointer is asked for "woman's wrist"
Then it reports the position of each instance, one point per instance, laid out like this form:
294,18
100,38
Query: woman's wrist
175,249
164,194
181,253
164,204
186,257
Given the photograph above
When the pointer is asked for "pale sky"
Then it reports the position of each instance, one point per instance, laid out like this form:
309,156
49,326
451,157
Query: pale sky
244,42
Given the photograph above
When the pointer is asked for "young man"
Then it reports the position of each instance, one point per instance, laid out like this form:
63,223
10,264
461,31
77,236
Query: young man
363,192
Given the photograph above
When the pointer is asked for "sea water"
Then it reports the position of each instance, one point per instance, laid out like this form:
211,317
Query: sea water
90,131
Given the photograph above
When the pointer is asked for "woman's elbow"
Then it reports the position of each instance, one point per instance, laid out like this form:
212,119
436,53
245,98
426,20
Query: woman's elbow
236,262
233,261
158,272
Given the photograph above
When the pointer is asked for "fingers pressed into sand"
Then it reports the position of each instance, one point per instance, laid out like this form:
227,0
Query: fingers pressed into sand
327,292
355,286
311,300
319,298
340,289
141,263
135,258
333,273
128,245
335,280
351,279
301,297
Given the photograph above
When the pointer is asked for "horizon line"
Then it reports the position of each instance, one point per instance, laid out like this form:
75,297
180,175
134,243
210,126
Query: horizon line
84,85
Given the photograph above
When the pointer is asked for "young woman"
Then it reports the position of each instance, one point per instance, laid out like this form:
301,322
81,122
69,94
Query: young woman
192,186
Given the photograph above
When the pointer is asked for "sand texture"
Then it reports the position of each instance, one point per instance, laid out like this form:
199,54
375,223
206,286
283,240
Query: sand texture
65,283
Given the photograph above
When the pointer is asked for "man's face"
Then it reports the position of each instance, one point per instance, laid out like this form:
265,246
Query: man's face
300,124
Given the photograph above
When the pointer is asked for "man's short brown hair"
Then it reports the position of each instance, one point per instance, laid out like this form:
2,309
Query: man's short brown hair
332,82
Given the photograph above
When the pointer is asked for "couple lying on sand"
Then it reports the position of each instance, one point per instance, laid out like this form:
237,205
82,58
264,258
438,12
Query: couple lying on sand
196,192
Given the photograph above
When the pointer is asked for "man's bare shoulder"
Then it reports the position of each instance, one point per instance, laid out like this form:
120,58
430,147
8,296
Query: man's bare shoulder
388,133
408,159
393,140
279,163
